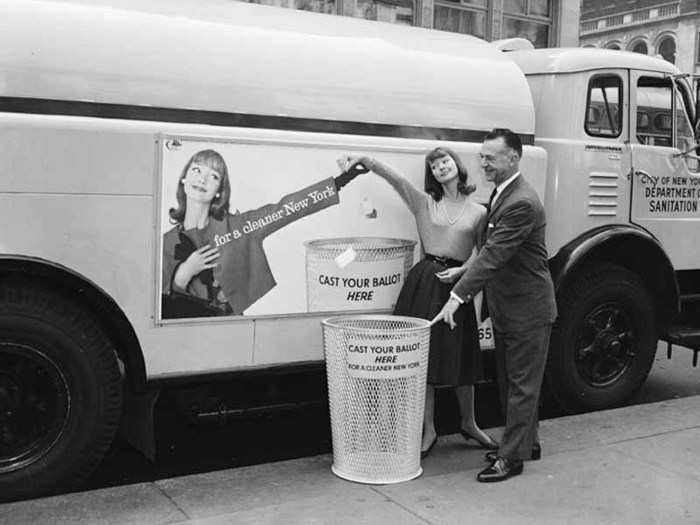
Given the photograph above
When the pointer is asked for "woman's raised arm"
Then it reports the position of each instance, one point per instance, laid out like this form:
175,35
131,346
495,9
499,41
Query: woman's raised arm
412,196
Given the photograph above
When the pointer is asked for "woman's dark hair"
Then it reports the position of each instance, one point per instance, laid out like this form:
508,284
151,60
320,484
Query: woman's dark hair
433,187
219,206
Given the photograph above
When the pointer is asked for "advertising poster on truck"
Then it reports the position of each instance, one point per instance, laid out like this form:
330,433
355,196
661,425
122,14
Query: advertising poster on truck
262,229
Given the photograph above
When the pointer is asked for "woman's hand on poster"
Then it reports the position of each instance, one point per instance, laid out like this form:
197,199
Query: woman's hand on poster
199,260
450,275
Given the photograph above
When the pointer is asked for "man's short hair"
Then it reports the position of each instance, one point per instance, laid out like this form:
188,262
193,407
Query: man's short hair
511,139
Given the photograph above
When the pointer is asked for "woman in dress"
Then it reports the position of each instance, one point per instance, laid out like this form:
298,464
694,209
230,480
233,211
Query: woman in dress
449,224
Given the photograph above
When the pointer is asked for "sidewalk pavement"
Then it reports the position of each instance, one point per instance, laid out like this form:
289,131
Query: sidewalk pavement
635,465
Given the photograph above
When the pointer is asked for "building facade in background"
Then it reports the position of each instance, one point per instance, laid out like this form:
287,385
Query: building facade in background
652,27
546,23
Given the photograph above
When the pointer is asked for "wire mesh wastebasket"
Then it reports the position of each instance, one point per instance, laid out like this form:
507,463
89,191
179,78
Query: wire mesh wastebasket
376,367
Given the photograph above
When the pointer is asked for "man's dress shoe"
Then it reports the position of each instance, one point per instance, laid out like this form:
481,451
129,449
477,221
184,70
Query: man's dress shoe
534,455
500,470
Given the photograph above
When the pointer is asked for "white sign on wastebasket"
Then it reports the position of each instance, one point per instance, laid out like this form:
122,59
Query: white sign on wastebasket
360,273
375,285
399,357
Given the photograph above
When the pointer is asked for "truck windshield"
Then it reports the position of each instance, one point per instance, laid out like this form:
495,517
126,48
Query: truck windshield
655,118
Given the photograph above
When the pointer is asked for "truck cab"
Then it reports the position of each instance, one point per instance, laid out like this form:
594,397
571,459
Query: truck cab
622,213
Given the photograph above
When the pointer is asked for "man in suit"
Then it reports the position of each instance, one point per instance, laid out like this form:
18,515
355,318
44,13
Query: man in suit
512,269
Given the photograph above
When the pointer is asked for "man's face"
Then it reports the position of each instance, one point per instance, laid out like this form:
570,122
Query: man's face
498,160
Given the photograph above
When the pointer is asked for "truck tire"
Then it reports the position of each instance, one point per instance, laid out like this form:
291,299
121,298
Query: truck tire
60,392
603,342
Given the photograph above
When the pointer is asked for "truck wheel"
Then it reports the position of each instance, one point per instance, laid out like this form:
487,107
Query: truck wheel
603,342
60,392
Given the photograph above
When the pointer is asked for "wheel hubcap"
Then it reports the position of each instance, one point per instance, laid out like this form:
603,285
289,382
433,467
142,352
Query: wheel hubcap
34,403
605,347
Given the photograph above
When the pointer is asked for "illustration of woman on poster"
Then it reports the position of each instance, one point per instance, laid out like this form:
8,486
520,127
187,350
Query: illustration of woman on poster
213,260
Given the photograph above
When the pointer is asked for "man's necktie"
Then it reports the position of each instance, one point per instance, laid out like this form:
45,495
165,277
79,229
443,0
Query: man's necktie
493,196
484,305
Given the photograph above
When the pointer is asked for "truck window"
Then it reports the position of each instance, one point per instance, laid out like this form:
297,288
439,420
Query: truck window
684,133
684,130
603,115
655,120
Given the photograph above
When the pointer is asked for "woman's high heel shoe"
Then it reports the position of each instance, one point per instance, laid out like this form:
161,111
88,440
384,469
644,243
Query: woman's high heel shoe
424,453
490,444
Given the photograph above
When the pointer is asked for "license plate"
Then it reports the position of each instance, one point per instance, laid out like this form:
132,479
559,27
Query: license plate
486,341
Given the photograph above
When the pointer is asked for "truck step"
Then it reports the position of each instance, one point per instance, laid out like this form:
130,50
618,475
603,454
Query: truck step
690,298
686,336
223,414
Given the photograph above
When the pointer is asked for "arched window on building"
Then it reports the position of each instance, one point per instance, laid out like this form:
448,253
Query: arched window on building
640,47
667,49
613,45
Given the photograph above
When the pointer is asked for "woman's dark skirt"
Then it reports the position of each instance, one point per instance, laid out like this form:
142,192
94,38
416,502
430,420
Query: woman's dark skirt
455,357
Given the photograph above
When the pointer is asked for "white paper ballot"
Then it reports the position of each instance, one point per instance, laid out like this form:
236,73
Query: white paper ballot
368,209
346,257
343,163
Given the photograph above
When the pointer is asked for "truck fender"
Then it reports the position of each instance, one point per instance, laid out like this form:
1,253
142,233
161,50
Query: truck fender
632,248
112,318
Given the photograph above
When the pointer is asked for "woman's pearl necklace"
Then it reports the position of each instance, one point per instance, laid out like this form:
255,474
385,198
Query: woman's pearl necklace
447,216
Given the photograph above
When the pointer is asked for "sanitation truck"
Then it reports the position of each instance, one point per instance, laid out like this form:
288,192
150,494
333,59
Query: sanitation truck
108,106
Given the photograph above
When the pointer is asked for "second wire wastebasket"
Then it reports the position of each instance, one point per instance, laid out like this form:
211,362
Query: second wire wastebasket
376,367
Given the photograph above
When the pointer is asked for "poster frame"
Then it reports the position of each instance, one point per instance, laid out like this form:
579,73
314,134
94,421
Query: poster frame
238,138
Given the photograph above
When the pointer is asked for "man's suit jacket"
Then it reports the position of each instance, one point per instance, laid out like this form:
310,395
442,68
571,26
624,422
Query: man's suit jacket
512,265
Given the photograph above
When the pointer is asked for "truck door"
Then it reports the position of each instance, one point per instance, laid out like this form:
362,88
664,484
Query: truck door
665,184
606,159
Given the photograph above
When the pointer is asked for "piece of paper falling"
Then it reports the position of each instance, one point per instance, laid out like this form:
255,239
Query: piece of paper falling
346,257
342,163
368,209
